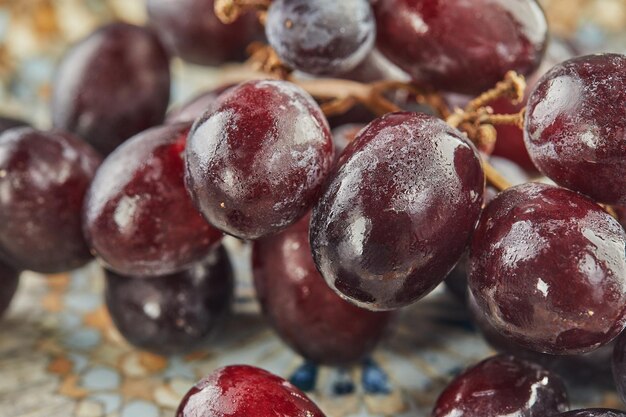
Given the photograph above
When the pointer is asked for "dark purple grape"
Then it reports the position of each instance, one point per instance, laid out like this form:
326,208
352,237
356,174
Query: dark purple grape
196,106
258,162
503,386
576,370
111,85
9,279
192,31
548,269
461,46
306,313
398,211
43,180
593,412
246,391
138,217
173,313
322,37
575,127
7,123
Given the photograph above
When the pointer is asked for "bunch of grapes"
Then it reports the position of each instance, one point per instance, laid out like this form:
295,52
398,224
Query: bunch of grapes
349,224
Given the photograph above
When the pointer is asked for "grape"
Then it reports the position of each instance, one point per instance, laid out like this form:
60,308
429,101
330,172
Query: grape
460,45
503,386
9,279
593,412
576,123
308,315
7,123
510,143
173,313
548,269
322,37
191,30
576,370
246,391
257,163
196,106
111,85
43,180
398,212
138,217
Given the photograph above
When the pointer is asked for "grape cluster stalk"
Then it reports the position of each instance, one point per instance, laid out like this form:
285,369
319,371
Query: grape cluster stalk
338,96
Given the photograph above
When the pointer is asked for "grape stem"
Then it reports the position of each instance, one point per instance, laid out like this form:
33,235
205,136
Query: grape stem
229,10
339,96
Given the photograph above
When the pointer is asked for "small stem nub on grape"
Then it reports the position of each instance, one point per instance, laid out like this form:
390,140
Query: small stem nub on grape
512,87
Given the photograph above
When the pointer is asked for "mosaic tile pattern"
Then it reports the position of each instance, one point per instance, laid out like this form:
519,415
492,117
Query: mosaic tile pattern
60,355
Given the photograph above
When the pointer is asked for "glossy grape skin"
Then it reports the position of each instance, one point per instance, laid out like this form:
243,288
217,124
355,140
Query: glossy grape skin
9,279
258,162
576,370
138,217
191,30
43,180
510,143
503,386
112,85
464,46
381,234
306,313
593,412
575,128
174,313
322,37
548,269
195,107
246,391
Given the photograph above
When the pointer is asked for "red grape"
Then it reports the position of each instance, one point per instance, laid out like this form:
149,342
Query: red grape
576,370
575,127
43,180
111,85
503,386
257,163
246,391
305,312
510,143
173,313
464,46
398,211
9,279
548,269
191,30
138,216
323,37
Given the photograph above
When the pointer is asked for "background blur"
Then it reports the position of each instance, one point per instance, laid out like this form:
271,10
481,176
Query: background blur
34,33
